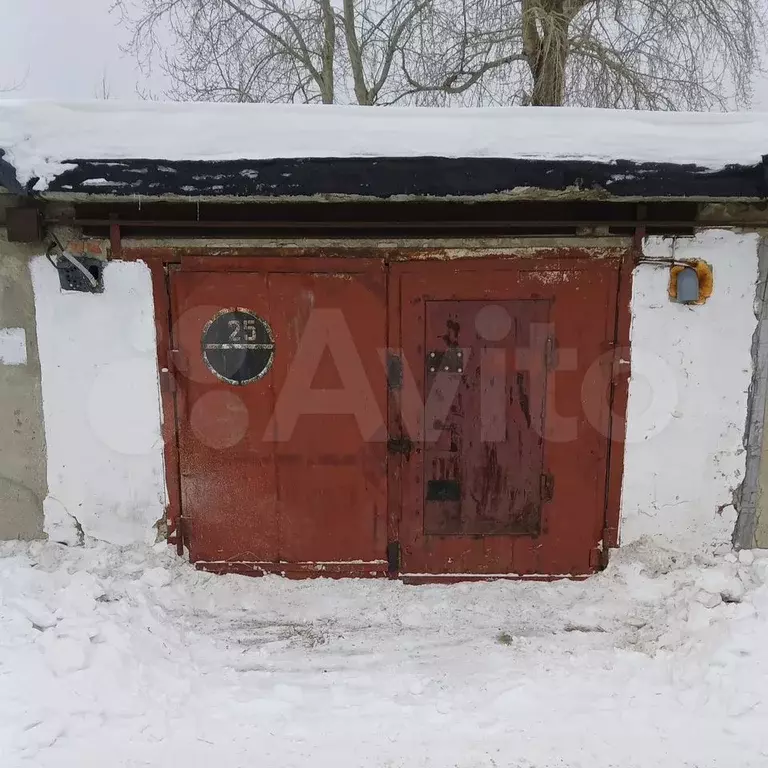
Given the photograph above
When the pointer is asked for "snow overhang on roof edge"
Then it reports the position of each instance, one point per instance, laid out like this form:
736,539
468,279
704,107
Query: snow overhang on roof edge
158,150
8,178
391,177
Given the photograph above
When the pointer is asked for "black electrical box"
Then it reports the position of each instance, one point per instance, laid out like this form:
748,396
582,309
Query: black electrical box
24,225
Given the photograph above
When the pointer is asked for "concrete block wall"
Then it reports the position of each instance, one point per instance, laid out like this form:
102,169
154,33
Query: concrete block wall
23,485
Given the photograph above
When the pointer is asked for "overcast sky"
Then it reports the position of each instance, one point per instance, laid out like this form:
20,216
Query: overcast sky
61,49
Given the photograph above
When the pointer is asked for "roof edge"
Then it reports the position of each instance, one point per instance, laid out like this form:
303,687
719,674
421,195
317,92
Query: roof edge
385,178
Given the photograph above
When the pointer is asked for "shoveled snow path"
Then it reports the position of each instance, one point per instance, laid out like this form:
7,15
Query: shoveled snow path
129,657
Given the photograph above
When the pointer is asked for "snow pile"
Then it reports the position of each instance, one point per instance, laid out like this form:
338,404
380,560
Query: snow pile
40,137
131,658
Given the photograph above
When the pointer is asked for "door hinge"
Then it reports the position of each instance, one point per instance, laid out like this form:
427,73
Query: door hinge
402,446
179,535
394,371
546,487
598,557
393,558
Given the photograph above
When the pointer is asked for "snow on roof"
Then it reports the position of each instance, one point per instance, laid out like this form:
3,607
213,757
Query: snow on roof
39,138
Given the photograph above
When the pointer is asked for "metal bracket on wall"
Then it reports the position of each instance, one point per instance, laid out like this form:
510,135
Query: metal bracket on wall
115,237
640,230
76,273
81,273
450,360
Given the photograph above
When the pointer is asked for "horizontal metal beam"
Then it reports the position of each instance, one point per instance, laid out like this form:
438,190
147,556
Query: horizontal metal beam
447,225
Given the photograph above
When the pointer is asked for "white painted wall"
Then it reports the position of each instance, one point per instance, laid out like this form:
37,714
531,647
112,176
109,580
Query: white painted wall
101,406
691,372
13,346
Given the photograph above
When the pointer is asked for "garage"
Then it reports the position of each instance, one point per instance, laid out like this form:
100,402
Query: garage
400,353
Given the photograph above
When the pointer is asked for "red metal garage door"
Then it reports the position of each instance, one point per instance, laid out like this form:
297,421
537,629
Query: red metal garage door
504,397
440,419
281,410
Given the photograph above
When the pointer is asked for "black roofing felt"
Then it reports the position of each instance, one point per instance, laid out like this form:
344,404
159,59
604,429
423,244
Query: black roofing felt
383,178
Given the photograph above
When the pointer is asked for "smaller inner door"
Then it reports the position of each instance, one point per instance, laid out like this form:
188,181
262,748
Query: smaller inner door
485,376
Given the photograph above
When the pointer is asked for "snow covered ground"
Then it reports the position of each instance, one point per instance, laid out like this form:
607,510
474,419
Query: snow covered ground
129,657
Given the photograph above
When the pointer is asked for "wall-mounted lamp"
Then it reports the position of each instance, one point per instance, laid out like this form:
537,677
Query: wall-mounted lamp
687,286
691,282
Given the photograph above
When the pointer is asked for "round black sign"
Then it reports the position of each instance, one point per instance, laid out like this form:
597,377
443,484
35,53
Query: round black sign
238,346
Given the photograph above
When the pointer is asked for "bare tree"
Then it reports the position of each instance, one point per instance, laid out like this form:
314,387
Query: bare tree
637,54
275,50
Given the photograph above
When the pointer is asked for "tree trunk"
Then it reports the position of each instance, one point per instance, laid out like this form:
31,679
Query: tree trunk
545,40
362,94
549,73
327,89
